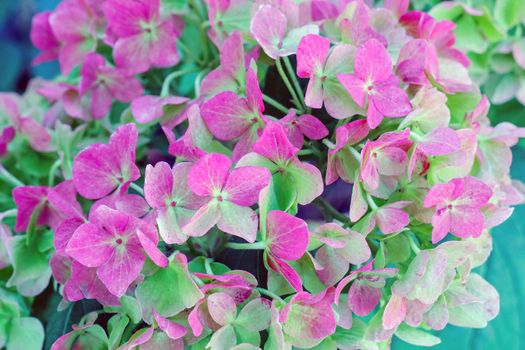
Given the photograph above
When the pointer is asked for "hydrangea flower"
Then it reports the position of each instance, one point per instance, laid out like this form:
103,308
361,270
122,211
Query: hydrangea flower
144,37
374,82
458,206
116,245
99,169
228,195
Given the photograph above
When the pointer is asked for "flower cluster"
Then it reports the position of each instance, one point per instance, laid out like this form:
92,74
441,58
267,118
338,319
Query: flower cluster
182,135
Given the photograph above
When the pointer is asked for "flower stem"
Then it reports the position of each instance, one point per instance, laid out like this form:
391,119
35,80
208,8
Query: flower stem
165,91
274,103
8,214
246,246
52,172
207,266
328,143
269,294
286,82
7,176
330,212
295,82
371,202
136,188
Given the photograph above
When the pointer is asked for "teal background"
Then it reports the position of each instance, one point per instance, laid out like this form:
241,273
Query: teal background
504,269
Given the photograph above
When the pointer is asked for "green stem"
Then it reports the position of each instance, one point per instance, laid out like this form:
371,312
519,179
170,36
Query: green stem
295,82
274,103
136,188
286,82
31,227
52,172
329,211
189,52
371,202
415,248
305,152
165,91
356,154
328,143
246,246
207,266
197,280
7,176
269,294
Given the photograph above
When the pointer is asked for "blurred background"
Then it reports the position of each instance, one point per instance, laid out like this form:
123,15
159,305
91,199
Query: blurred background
492,35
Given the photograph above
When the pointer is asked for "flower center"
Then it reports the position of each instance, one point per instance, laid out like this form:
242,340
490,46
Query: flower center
119,241
173,204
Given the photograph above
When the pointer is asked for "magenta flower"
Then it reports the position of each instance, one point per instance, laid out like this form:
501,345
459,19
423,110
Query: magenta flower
365,292
374,81
43,38
75,24
230,117
6,136
342,160
231,73
229,195
458,206
145,38
299,127
286,239
167,192
322,65
389,218
385,159
357,29
106,83
307,319
55,204
149,108
277,34
274,151
99,169
115,244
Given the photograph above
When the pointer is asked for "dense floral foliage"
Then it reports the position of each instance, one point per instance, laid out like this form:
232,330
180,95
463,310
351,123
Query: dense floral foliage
181,132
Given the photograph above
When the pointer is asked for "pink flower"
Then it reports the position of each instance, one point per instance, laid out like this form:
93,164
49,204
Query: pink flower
343,160
357,30
230,117
43,38
309,317
145,38
167,191
99,169
75,24
106,83
115,244
231,73
458,206
274,151
365,292
277,34
54,204
146,109
389,218
373,80
299,127
385,159
6,136
322,65
229,195
286,239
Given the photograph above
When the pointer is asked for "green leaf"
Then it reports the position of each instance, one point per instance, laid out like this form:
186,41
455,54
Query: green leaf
305,268
397,249
31,267
508,12
25,333
169,290
198,265
416,336
131,307
258,310
116,326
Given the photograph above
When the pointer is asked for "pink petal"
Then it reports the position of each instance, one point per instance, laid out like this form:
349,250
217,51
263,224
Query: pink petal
438,194
172,329
287,235
354,86
287,272
312,127
274,144
395,312
209,174
373,62
203,220
158,184
475,192
226,115
391,161
124,17
90,245
253,91
64,232
27,198
314,93
311,54
245,183
238,221
441,224
152,250
374,117
268,27
391,220
466,221
148,108
391,101
121,269
222,308
163,52
439,142
362,298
